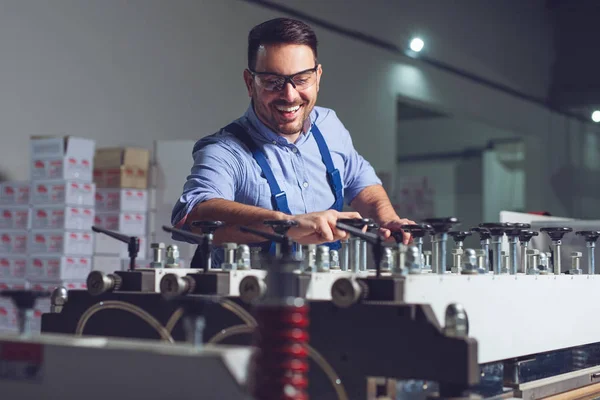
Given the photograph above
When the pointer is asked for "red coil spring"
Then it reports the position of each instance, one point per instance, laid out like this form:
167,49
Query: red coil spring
280,364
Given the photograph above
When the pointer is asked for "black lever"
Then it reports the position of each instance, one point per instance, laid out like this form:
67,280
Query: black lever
375,240
24,301
202,240
133,243
286,242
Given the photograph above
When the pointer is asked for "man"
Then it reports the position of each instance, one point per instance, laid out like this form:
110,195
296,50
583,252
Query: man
285,158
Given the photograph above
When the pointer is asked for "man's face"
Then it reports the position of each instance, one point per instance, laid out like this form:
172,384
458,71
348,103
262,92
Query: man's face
286,110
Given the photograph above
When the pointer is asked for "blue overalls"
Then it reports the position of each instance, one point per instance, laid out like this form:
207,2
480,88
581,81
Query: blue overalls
278,197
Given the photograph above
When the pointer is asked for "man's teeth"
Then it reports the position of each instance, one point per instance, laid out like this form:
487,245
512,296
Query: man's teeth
288,109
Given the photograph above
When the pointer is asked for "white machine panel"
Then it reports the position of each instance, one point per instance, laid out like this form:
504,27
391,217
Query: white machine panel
515,315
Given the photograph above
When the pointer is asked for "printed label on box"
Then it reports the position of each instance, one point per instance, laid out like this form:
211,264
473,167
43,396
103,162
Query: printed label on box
13,242
14,218
14,193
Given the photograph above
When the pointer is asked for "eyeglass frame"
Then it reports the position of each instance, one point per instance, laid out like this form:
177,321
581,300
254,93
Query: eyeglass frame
287,78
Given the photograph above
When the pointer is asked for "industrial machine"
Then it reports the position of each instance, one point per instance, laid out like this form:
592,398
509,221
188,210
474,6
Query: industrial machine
393,322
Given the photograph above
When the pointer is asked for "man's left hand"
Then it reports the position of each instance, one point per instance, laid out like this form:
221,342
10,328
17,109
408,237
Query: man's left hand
394,226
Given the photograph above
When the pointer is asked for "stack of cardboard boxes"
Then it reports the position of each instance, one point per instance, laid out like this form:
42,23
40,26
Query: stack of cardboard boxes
47,241
121,177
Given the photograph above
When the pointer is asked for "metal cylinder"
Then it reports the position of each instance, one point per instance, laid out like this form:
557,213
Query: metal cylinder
400,261
208,255
310,257
255,258
513,243
355,253
543,263
25,320
299,254
242,257
419,243
363,255
229,261
505,263
556,245
457,257
334,259
497,244
482,257
524,260
426,259
435,251
322,259
412,260
485,246
442,253
172,258
157,252
591,258
576,263
387,262
344,255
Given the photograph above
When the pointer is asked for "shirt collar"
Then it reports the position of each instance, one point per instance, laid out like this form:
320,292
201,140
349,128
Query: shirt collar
262,132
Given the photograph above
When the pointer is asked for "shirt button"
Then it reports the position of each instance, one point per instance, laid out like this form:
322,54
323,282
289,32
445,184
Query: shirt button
294,150
305,185
274,142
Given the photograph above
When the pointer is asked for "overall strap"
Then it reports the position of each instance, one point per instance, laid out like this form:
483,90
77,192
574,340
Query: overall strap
333,174
278,197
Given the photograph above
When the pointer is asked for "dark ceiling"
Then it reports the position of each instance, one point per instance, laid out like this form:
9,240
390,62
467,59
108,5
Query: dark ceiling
576,72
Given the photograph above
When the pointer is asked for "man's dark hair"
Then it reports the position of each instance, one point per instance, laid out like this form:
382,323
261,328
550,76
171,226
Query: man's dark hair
279,31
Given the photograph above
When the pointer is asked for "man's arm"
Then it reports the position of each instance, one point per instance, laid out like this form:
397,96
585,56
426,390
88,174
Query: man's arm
312,228
373,202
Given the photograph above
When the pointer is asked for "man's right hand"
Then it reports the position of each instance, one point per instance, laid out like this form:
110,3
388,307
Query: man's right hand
319,227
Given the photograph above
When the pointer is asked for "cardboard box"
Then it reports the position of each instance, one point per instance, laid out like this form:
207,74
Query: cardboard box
60,242
14,193
13,267
55,268
121,168
62,158
125,222
122,200
62,217
106,245
63,192
13,242
15,217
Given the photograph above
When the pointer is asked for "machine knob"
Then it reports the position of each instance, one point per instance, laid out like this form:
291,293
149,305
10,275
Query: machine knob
484,233
281,226
556,233
575,263
460,236
322,261
252,288
172,285
242,256
525,235
469,262
372,227
416,230
517,229
58,299
208,227
99,282
359,223
589,236
441,225
334,259
172,258
347,291
456,321
497,228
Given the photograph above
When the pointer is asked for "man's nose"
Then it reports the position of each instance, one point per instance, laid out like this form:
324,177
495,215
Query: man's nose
289,93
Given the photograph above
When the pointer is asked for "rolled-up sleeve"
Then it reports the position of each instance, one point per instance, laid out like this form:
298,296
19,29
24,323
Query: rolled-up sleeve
213,176
358,173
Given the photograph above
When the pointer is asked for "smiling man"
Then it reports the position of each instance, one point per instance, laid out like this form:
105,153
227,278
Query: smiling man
285,158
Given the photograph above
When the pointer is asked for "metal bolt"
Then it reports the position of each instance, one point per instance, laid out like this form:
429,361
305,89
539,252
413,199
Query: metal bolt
456,321
470,262
322,259
59,298
387,262
242,257
229,250
413,260
334,259
157,255
310,257
427,259
505,263
457,255
482,256
172,260
533,262
576,263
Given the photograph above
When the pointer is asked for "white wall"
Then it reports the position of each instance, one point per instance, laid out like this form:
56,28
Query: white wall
128,73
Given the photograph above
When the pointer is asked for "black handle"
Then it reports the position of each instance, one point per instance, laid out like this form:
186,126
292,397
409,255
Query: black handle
286,243
525,235
373,239
189,235
556,232
460,236
441,225
133,243
497,228
484,233
589,236
356,222
208,227
281,226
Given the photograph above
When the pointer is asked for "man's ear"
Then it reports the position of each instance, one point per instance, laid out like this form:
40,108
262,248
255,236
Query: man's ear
249,80
319,73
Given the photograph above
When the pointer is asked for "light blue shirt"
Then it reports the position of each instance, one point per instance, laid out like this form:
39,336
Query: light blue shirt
225,169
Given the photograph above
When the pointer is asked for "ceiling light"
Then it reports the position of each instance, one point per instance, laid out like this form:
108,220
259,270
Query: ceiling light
417,44
596,116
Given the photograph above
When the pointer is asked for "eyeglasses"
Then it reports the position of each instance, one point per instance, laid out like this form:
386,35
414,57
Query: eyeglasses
275,82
